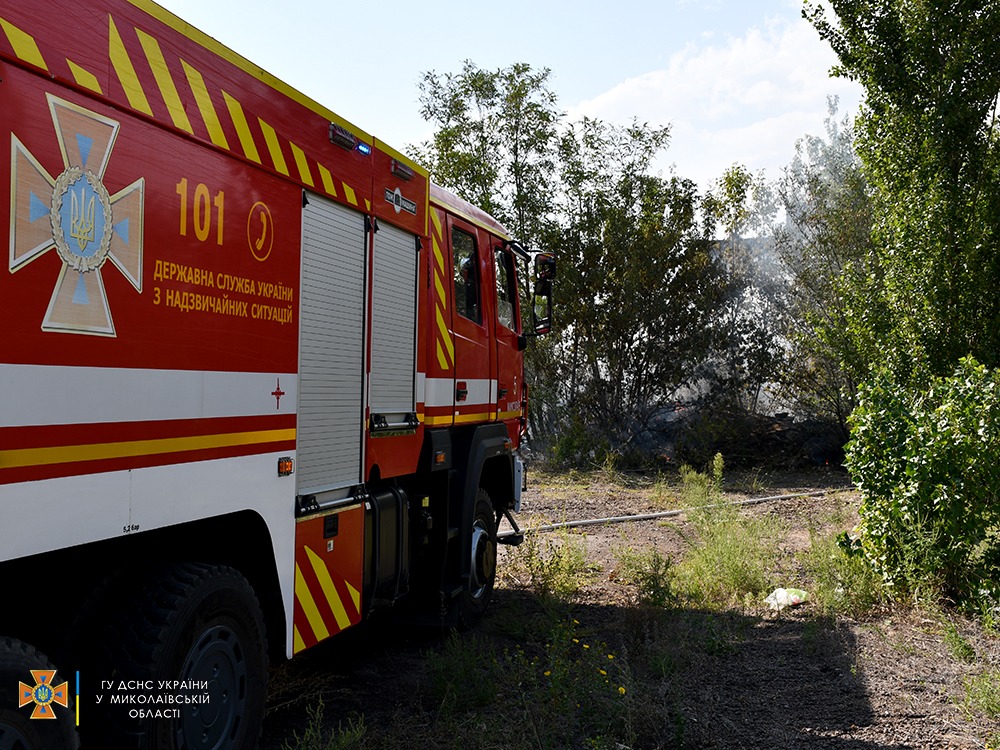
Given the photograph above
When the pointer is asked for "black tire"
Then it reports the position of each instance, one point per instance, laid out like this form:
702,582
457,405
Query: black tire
482,535
191,623
17,730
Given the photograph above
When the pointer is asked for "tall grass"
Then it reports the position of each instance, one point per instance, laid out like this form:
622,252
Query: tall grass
841,580
730,557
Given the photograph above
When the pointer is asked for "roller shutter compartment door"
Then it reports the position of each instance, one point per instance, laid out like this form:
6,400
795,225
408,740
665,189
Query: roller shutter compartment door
331,347
394,309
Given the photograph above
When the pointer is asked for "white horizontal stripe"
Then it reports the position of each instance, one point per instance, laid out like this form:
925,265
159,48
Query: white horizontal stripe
441,392
40,395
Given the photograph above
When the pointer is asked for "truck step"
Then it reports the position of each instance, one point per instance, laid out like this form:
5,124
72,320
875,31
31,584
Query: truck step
513,538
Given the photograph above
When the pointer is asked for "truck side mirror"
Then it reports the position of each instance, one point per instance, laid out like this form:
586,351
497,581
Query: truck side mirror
541,306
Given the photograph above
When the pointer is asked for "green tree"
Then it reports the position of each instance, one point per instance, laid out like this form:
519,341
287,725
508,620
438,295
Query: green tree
740,208
927,138
495,144
638,280
495,141
640,283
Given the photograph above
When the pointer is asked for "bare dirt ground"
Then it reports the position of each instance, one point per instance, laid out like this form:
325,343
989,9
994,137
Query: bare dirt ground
795,680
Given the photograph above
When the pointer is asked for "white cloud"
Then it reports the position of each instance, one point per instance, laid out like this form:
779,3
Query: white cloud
744,99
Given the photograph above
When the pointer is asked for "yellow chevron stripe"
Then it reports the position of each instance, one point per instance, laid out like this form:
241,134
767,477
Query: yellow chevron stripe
355,597
437,224
445,333
102,451
442,360
351,197
327,179
24,45
242,128
439,287
204,101
309,608
251,69
273,147
329,589
162,75
84,77
126,73
305,174
297,643
438,255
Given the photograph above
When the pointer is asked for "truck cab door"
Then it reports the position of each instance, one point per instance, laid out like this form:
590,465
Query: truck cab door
472,323
509,346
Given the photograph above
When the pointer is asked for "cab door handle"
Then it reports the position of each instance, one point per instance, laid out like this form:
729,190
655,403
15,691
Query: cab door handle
502,393
461,391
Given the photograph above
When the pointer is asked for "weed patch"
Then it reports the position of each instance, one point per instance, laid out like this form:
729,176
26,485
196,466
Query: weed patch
982,694
316,735
553,566
650,572
843,582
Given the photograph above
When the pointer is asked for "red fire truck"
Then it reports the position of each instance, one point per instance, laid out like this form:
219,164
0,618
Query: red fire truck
259,378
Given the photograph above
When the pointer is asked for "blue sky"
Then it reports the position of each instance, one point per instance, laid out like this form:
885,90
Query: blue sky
737,80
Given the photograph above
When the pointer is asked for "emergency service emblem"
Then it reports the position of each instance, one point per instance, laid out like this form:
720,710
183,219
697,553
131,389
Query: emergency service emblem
44,694
74,215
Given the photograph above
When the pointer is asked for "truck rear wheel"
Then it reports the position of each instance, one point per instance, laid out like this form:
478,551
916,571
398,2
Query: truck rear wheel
483,564
199,629
17,730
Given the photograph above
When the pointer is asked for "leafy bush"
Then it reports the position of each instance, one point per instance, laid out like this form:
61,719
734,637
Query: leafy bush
699,489
928,467
578,445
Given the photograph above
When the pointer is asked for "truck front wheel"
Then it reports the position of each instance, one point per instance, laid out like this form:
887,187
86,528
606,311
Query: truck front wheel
483,562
